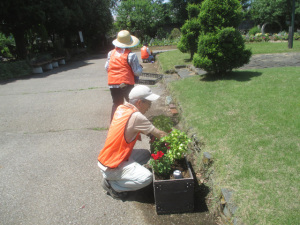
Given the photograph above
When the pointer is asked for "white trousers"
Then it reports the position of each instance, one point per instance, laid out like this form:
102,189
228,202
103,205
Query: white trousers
129,175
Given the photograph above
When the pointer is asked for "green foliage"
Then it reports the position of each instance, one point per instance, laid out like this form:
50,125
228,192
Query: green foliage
9,70
173,146
190,30
140,15
163,123
193,10
259,37
274,11
179,10
222,51
219,14
177,144
52,20
254,30
189,38
175,33
221,47
5,42
161,165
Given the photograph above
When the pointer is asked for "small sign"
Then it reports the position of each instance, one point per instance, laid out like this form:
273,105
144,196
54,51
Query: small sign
80,36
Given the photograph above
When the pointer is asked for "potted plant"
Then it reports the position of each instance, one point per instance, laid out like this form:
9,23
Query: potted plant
172,195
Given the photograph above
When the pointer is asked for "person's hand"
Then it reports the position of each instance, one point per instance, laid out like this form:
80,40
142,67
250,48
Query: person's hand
162,133
158,133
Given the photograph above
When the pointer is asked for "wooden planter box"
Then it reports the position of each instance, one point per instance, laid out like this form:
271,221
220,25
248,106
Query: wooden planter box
174,196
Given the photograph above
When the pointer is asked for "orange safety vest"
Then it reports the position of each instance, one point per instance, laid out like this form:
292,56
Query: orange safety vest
119,71
144,53
116,148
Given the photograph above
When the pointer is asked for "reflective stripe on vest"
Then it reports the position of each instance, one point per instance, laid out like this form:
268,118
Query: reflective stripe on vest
144,53
116,149
119,71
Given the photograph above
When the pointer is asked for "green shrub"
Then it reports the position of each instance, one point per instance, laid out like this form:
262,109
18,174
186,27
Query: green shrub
222,51
219,14
254,30
175,33
5,42
193,10
9,70
163,123
189,38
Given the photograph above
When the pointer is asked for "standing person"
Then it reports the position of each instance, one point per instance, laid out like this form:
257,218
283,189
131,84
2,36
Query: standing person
146,54
120,164
122,66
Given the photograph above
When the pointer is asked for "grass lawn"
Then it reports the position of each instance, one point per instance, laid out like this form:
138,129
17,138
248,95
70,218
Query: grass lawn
169,59
250,123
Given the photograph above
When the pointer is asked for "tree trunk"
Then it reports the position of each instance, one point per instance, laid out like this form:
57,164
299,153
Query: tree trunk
19,35
192,54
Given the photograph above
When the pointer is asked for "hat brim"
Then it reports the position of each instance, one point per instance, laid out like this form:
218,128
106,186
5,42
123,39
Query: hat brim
133,42
152,97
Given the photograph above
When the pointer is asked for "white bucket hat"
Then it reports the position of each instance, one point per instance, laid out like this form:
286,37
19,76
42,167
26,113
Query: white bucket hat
142,92
125,40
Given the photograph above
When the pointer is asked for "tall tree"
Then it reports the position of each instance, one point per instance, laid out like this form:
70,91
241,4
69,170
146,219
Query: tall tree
143,16
26,19
190,30
179,10
274,11
19,16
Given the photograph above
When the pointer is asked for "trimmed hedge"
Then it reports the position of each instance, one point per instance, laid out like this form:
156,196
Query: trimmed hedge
222,51
10,70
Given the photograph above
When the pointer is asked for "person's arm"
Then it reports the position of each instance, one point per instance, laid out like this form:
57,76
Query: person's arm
158,133
107,61
134,64
148,50
139,123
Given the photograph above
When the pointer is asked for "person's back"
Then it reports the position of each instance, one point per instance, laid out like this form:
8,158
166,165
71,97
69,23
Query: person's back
144,53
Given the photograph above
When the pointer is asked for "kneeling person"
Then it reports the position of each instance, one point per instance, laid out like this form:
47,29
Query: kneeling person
120,164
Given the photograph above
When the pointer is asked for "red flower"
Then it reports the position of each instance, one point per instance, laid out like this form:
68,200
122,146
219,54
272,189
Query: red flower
158,155
154,156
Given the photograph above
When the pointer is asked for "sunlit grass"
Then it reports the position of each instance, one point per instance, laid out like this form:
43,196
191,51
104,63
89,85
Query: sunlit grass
171,58
250,123
272,47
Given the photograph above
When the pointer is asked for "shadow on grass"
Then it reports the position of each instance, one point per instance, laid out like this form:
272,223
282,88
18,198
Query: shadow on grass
188,60
234,75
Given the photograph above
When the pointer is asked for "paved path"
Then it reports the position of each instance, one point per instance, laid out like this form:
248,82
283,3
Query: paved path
261,61
52,127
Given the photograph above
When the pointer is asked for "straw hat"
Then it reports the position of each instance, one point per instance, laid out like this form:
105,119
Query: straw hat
125,40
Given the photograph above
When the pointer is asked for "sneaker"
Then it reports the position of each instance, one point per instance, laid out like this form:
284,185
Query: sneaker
116,195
